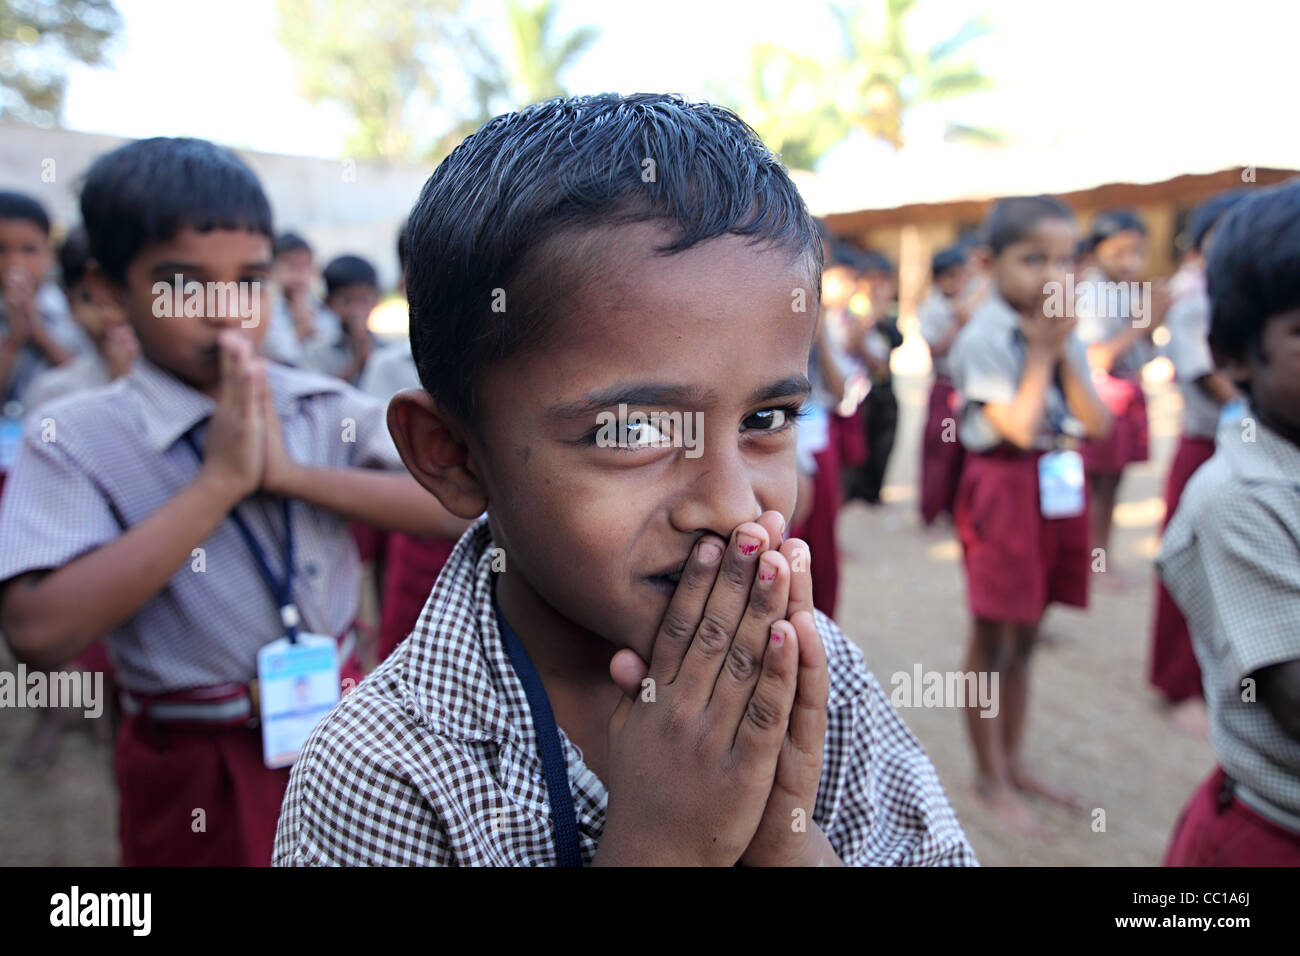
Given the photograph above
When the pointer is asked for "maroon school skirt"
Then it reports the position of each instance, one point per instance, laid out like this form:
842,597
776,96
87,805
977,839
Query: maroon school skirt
1017,561
166,772
410,570
941,460
1127,441
1217,832
818,530
1174,671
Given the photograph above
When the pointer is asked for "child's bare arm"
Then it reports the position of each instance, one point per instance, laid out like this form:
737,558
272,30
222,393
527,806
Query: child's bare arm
51,617
1019,421
1083,401
393,501
1218,387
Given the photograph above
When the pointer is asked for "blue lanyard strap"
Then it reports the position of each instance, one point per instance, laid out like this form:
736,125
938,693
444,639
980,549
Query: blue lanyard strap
281,590
564,822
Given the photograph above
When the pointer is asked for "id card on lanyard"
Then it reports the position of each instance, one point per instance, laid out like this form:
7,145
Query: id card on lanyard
298,674
1061,488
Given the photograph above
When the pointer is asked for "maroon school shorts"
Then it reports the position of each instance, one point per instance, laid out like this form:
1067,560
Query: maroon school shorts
1174,670
1127,441
1216,832
166,772
1017,561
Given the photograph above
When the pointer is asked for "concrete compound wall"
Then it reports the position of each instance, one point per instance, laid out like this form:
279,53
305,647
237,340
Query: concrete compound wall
338,205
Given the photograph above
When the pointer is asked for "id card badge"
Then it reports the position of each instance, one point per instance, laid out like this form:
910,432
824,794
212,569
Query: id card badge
297,684
1060,484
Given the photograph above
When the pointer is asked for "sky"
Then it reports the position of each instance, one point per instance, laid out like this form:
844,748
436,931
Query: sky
1139,84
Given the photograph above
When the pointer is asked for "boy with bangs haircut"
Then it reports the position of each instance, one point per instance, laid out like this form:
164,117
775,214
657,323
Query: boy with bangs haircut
620,663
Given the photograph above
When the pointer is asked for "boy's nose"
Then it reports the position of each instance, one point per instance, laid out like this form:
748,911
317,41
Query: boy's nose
720,494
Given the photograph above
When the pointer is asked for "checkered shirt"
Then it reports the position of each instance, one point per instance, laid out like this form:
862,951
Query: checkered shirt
1231,559
433,760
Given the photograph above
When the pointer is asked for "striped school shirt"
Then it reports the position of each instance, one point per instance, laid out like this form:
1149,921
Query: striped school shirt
96,463
433,760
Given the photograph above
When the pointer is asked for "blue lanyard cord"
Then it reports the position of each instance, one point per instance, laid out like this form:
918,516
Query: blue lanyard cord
281,590
564,822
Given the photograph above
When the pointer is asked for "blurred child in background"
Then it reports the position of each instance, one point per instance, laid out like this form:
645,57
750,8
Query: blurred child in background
1231,554
299,321
351,294
943,313
1116,321
115,350
1173,670
1021,506
36,332
875,337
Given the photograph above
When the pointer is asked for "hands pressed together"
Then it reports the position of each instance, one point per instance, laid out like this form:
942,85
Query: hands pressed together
716,749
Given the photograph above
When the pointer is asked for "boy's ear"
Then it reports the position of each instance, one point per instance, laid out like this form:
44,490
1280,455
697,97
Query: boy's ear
433,448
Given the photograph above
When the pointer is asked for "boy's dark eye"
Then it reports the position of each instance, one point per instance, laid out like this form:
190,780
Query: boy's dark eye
773,419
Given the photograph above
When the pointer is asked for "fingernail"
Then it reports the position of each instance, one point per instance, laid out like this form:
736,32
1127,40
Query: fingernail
709,552
747,543
767,571
777,637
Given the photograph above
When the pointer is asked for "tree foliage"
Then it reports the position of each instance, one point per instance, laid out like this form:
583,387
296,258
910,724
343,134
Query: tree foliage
38,41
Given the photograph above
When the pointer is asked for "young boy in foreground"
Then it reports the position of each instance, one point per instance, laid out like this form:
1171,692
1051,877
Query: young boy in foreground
1231,554
575,285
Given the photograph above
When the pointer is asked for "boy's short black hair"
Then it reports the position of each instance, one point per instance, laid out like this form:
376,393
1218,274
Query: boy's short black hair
291,242
495,212
946,259
74,257
22,207
147,191
1112,222
1254,268
1014,218
343,271
1205,216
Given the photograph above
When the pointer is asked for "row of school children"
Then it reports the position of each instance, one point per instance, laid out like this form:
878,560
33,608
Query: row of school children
1049,410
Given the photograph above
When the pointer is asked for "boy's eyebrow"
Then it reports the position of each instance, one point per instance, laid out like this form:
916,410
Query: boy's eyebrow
685,396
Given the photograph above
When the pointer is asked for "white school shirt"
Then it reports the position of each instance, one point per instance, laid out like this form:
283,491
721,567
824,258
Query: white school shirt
937,319
1104,309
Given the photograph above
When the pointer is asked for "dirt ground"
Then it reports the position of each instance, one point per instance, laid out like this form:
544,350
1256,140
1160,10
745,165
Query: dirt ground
1094,724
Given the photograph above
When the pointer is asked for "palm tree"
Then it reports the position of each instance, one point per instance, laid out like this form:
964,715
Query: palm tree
804,106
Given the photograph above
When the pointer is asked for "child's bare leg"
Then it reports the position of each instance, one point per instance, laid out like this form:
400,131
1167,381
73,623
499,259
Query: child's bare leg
1015,708
990,652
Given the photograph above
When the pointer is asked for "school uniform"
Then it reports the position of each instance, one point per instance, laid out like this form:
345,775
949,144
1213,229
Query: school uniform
1016,560
879,410
1231,559
187,657
437,759
1120,388
1173,668
941,453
